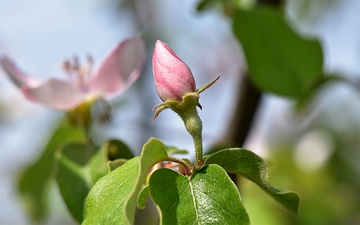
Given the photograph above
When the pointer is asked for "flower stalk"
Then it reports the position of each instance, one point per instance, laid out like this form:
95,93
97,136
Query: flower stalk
175,85
193,124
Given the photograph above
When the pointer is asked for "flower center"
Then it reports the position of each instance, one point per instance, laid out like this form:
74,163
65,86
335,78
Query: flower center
79,75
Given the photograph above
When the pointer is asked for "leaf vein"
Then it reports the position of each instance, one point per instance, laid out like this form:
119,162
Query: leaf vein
194,202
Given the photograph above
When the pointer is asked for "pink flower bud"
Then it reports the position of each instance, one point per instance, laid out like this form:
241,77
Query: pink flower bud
173,78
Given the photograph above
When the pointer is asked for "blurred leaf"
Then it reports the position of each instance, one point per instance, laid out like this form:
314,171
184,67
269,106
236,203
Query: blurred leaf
227,6
112,200
97,165
117,149
309,93
207,197
279,60
202,5
217,147
251,166
112,153
112,165
79,167
34,180
171,150
72,178
208,4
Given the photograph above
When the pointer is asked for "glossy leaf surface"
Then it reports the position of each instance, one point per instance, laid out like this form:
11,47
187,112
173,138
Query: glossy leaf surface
106,200
208,197
251,166
112,200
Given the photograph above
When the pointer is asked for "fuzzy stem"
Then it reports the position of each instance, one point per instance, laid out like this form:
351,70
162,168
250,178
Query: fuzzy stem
193,125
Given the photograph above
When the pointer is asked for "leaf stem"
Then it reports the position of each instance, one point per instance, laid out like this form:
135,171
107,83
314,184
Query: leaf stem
188,167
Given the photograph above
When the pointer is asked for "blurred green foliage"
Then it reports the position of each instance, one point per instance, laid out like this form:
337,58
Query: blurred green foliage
35,179
325,197
279,60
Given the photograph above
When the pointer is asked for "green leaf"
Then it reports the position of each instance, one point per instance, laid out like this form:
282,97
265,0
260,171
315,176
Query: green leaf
106,200
97,165
153,152
279,60
203,5
112,165
112,154
34,180
247,164
117,150
310,92
79,167
72,178
143,196
112,200
171,150
208,197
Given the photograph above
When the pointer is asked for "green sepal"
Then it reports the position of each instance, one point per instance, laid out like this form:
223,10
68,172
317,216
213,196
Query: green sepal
251,166
189,102
187,105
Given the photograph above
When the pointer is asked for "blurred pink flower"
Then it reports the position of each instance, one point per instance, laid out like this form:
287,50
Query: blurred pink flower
173,78
119,70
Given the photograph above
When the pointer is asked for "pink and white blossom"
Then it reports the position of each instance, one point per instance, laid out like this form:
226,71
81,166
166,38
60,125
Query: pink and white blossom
119,70
173,78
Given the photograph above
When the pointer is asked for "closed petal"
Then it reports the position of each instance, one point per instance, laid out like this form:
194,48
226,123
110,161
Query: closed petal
18,77
55,94
121,67
173,78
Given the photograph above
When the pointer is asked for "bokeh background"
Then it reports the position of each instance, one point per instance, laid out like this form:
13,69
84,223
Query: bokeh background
313,152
